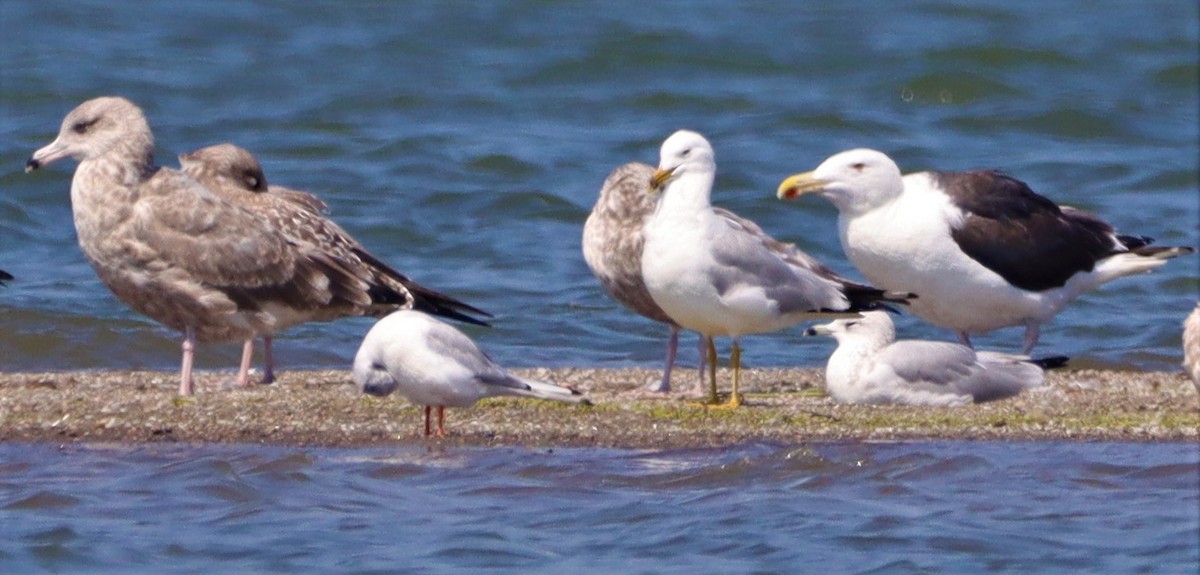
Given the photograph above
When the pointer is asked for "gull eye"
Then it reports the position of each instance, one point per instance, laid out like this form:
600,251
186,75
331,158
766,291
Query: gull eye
686,152
82,126
858,166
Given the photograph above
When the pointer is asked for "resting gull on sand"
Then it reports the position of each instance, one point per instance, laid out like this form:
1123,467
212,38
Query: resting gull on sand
982,249
234,174
870,366
722,276
433,364
176,252
1191,345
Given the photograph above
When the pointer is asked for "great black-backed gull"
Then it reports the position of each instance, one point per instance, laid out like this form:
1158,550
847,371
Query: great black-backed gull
433,364
980,249
719,277
236,175
870,366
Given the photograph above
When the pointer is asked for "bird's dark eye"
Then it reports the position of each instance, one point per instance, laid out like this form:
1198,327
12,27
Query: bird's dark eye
858,167
686,152
82,126
851,323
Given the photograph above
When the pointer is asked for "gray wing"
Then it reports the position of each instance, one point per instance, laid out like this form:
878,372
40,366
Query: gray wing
746,259
935,365
456,347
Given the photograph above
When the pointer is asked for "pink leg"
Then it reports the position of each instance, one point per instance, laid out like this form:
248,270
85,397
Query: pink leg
664,386
1031,338
428,409
186,385
441,431
243,375
268,361
964,338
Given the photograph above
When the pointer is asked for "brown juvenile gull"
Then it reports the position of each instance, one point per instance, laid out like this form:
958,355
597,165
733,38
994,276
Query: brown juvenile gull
176,252
1191,345
234,174
612,247
718,277
870,366
432,364
981,248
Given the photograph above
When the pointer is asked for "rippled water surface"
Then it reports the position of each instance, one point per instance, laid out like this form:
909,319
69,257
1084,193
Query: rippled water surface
832,508
465,143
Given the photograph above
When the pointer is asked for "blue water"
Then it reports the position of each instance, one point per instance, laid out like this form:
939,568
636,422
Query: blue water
465,143
956,507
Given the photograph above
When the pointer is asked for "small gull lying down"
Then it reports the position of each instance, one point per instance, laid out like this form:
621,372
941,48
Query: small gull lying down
870,366
1191,345
722,276
433,364
176,252
612,247
981,249
235,175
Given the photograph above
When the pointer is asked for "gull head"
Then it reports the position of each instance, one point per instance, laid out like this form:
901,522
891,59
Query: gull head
225,163
853,180
871,324
96,128
684,153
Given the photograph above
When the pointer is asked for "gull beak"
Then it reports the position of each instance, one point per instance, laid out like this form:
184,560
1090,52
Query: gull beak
53,152
798,185
659,179
818,330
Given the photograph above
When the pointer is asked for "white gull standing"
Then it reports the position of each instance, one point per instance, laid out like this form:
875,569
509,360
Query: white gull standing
236,175
1191,345
981,249
870,366
721,277
433,364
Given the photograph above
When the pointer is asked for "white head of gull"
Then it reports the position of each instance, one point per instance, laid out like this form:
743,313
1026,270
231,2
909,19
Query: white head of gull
981,249
870,366
721,275
432,364
375,288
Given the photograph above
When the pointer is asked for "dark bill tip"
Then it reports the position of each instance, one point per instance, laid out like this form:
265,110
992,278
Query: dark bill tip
32,165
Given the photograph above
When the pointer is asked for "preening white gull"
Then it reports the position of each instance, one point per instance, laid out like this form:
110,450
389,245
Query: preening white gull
433,364
870,366
173,250
612,248
981,249
1191,345
722,276
234,174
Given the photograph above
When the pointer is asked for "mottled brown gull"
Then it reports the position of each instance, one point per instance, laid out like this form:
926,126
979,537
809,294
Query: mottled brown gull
720,277
234,174
612,248
176,252
434,365
981,248
871,366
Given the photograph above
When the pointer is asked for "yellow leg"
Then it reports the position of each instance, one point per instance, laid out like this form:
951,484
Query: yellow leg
735,398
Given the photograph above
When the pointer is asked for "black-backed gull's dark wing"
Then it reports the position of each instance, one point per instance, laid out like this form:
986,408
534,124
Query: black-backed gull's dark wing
1025,238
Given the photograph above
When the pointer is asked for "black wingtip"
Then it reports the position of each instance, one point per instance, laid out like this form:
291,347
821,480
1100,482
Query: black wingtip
1052,362
5,276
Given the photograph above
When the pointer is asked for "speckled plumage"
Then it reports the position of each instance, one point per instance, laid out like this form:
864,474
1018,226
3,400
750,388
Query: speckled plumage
371,287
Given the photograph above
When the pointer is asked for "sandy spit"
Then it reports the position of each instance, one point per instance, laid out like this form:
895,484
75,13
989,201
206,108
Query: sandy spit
323,408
